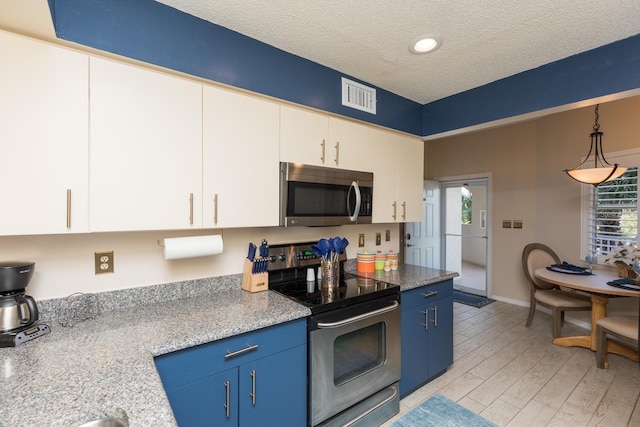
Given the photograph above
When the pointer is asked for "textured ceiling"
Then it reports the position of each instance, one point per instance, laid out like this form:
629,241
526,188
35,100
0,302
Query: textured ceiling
483,40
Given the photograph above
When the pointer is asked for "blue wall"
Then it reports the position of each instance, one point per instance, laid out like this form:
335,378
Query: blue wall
160,35
157,34
602,71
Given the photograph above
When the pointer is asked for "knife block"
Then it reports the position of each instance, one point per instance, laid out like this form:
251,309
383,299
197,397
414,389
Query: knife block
254,282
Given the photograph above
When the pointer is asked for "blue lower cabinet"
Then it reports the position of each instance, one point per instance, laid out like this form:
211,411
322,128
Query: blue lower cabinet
427,334
254,379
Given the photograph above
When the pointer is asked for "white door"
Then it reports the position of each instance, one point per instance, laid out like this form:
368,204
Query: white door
465,220
423,240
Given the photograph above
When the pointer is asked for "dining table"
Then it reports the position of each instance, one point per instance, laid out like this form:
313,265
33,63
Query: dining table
600,292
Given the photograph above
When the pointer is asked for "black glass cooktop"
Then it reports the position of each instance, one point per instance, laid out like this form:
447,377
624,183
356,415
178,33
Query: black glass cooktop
352,290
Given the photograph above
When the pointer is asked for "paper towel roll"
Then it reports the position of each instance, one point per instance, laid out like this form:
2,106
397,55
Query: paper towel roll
191,247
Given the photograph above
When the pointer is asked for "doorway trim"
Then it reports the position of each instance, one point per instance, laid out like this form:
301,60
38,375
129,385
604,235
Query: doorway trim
471,177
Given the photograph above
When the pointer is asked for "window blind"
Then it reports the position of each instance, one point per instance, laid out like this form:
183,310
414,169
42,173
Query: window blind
615,213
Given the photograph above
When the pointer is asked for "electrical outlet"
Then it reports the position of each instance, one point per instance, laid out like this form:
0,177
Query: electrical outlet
387,236
103,262
378,239
361,240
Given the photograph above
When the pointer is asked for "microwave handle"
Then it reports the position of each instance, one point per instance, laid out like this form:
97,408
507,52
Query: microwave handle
354,186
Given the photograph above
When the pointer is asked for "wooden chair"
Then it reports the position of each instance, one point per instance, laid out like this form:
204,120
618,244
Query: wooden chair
623,328
537,255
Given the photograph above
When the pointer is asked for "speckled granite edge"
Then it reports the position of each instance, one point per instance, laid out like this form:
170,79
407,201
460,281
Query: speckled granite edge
132,297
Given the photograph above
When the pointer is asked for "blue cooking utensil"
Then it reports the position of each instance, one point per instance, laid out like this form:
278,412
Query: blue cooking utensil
316,250
324,246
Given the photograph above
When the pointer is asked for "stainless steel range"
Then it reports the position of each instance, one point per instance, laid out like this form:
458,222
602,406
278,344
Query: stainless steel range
353,336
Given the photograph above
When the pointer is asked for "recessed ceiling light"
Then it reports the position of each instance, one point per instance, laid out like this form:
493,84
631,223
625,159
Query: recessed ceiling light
425,44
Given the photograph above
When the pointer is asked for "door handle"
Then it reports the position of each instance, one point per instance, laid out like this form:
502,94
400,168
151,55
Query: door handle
68,208
253,388
409,245
227,405
435,316
191,208
394,210
215,209
426,320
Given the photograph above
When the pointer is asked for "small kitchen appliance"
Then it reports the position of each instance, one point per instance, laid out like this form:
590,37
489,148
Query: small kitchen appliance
353,339
18,311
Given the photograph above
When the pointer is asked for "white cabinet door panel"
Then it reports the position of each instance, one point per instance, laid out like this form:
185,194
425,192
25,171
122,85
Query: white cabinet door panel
304,137
240,166
145,149
410,178
43,134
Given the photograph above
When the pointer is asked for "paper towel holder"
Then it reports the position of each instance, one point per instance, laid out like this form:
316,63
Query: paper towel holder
161,242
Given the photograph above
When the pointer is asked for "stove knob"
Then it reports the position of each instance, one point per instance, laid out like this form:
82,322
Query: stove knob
272,258
282,257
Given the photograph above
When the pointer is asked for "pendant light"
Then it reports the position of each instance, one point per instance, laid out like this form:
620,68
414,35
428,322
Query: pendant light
602,170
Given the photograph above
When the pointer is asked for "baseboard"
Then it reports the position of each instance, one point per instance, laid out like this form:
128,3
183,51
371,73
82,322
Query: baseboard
567,316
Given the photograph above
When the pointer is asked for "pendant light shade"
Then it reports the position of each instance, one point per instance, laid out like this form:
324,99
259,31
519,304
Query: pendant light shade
602,170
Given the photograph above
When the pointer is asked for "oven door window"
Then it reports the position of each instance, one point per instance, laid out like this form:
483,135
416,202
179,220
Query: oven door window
358,352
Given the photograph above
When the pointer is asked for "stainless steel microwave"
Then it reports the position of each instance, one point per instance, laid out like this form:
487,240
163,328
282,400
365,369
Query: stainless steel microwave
317,196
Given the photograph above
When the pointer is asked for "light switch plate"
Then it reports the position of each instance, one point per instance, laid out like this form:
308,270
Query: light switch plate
506,223
361,240
517,223
378,239
387,236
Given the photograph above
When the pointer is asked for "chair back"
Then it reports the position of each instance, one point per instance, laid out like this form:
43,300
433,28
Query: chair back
534,256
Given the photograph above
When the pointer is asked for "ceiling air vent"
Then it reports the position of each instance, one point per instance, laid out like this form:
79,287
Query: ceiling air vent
358,96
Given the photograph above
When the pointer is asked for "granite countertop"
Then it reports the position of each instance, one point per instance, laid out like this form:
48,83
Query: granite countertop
103,366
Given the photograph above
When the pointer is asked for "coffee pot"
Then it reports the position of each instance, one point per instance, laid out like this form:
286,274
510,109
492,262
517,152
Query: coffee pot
17,310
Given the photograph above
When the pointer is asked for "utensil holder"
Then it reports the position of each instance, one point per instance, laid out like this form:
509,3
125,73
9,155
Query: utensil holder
329,273
254,282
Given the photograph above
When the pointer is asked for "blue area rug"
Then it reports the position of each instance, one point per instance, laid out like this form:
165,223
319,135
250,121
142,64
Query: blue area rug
438,411
470,299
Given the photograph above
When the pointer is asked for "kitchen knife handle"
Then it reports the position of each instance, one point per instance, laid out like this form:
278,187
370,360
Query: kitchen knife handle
337,152
191,208
404,210
322,156
215,208
253,388
395,204
227,405
68,208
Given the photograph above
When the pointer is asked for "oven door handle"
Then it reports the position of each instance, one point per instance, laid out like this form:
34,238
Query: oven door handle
359,317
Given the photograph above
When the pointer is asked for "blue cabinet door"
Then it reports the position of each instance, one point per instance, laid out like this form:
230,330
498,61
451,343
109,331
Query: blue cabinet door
414,350
440,343
273,390
211,401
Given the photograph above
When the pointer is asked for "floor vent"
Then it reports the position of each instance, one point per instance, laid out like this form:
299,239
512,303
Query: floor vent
358,96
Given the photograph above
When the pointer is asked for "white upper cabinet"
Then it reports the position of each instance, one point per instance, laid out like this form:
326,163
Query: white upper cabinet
410,178
304,137
398,168
240,160
348,142
43,138
317,139
146,149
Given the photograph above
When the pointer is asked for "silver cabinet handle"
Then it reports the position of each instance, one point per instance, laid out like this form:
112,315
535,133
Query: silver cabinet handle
337,153
426,320
253,388
232,354
68,208
227,405
191,208
394,210
435,316
322,156
215,208
404,210
430,294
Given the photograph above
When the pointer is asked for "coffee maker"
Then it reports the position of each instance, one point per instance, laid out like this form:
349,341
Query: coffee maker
18,311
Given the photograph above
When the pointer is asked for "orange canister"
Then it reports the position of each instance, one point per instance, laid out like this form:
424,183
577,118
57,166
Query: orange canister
366,262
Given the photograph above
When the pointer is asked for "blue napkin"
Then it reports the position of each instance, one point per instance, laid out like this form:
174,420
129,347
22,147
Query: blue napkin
568,268
622,282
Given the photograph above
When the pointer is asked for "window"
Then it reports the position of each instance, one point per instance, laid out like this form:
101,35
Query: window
616,213
466,205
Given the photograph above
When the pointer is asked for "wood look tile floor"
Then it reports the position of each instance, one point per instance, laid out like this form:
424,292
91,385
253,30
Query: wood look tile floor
514,376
